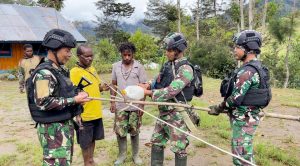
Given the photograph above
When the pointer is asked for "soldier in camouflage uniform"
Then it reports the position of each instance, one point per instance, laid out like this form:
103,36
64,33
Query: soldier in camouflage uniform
181,75
244,118
52,100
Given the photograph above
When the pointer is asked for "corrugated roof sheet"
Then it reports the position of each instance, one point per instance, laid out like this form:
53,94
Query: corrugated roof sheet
26,23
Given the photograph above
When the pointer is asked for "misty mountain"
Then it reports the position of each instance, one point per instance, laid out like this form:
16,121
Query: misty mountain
86,28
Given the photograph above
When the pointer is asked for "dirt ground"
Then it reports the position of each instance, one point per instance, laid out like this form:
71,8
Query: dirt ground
16,125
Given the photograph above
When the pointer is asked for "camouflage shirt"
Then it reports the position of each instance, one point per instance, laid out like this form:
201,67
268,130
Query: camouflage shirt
246,79
183,78
44,85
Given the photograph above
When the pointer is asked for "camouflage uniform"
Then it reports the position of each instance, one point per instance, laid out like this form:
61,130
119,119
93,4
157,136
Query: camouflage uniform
127,122
244,119
56,138
162,132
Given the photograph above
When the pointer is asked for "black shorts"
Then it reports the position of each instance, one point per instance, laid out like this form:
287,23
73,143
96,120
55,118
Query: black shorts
92,130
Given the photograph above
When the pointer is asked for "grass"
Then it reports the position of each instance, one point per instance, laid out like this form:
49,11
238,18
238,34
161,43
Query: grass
290,104
268,154
214,129
199,144
148,120
289,140
7,159
32,154
27,154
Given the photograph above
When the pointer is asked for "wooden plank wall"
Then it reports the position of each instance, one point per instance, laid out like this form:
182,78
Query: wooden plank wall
12,62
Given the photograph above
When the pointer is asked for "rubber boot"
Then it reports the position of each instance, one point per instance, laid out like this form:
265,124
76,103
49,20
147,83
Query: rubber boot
135,150
157,155
122,142
180,160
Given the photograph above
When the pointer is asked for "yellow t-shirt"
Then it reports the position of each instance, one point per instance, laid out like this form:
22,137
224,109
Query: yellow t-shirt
92,109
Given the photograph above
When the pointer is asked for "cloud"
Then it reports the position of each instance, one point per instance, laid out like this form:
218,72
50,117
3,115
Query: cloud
86,10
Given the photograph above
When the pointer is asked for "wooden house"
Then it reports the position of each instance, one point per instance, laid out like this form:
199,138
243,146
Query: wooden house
21,25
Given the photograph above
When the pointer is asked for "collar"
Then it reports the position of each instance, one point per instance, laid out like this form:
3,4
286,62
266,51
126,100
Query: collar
180,59
252,60
25,57
78,65
134,64
54,64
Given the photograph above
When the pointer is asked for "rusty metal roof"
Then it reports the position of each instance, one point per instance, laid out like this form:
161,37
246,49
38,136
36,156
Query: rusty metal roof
26,23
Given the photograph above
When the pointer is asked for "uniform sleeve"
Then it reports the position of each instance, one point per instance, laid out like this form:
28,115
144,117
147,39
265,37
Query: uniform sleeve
241,86
21,76
182,79
44,85
142,75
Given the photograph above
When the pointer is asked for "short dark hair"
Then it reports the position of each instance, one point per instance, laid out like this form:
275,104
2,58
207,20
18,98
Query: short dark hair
79,48
127,46
27,46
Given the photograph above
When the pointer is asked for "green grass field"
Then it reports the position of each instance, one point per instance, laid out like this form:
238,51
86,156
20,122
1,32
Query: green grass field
281,147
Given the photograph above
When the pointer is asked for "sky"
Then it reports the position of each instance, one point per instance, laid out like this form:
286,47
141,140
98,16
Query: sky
85,10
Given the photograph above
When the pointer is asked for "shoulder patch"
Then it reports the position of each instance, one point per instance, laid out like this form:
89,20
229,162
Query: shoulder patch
42,88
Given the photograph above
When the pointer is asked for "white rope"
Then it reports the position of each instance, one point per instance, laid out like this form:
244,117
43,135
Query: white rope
222,150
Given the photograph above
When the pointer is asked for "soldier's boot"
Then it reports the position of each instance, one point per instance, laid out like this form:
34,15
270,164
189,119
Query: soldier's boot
180,160
122,142
157,155
135,150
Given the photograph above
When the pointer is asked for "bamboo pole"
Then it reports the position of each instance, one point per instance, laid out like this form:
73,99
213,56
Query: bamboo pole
265,114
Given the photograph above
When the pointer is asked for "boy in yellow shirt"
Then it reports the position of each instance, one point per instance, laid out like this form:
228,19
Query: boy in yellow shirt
92,111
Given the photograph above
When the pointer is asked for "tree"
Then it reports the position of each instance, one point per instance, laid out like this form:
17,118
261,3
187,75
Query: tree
214,57
146,48
21,2
234,13
57,4
112,11
250,13
159,16
264,15
120,36
290,32
242,14
197,19
105,51
178,13
283,29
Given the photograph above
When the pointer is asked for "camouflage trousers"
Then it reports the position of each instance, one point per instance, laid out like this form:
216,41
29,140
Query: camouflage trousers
127,122
242,139
57,142
21,85
163,133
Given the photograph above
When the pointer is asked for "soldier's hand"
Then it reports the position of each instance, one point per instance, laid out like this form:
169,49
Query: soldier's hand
81,98
112,107
145,86
215,110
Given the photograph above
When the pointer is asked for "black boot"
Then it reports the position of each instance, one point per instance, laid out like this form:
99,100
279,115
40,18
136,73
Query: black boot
135,150
180,160
122,142
157,155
